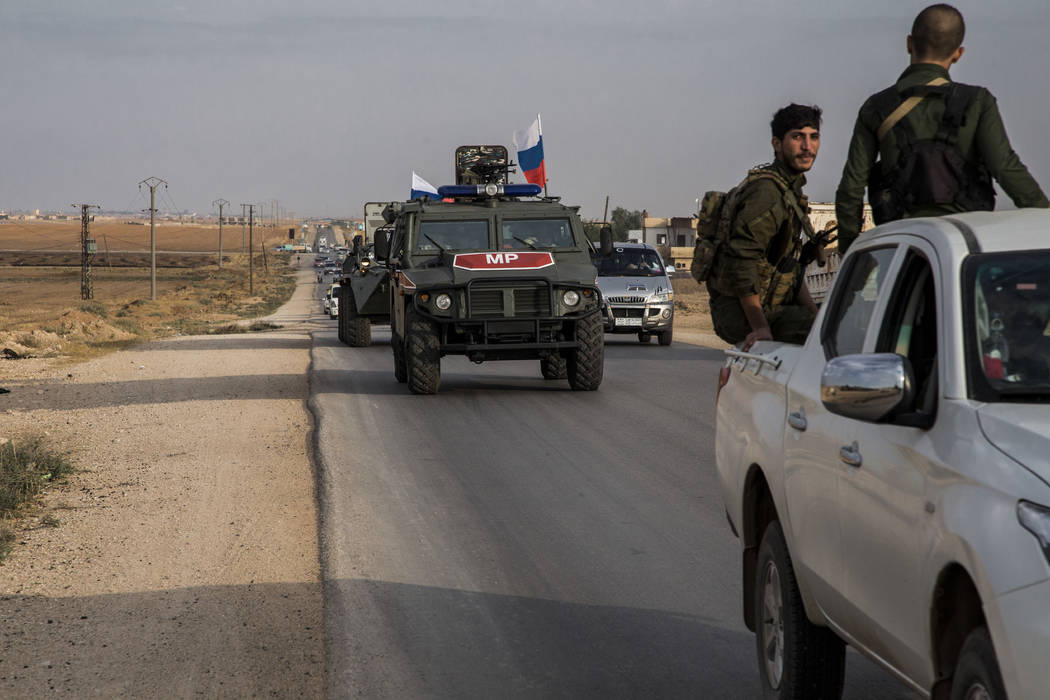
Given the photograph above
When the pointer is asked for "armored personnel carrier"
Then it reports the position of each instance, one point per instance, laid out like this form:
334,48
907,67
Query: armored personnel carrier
363,294
494,271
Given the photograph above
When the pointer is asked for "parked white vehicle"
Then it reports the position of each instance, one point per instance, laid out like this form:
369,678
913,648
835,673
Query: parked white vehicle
890,479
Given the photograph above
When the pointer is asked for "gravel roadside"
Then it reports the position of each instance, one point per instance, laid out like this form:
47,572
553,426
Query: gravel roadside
185,557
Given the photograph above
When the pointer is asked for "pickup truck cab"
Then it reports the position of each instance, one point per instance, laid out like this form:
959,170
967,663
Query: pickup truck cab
889,480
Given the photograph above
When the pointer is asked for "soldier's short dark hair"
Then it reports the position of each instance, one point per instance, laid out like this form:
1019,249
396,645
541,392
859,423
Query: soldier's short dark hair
937,32
795,116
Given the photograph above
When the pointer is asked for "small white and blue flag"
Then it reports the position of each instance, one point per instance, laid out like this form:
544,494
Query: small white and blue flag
421,189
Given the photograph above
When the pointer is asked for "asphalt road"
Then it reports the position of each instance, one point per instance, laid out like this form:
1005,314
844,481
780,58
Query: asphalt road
511,538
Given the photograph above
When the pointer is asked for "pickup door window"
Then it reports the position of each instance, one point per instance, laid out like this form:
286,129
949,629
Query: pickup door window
854,301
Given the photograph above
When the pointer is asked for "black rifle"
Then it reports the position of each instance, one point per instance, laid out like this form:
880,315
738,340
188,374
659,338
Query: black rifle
813,249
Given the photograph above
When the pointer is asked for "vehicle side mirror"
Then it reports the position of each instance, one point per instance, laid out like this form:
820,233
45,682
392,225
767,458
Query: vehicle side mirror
605,238
868,387
382,244
669,269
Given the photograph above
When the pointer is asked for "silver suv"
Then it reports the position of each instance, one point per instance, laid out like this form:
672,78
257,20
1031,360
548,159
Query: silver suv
637,292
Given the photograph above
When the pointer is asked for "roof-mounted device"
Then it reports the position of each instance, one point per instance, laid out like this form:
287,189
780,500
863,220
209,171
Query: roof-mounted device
489,190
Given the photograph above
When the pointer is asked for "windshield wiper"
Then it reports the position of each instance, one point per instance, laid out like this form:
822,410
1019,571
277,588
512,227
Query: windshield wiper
440,247
522,240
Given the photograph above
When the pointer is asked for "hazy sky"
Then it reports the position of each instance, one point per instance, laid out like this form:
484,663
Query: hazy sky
325,104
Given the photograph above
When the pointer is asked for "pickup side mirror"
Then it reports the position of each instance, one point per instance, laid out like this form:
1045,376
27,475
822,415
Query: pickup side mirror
605,238
669,270
868,387
382,244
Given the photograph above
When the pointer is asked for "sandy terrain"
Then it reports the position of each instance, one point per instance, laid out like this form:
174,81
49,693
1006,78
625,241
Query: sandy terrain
185,560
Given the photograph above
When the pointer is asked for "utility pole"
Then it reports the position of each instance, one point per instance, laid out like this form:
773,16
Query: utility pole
87,249
152,183
251,268
221,202
244,216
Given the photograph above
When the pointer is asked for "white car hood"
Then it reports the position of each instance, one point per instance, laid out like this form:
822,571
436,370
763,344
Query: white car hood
1022,431
633,286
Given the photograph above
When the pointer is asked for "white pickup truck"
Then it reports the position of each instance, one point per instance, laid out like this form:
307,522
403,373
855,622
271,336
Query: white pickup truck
889,480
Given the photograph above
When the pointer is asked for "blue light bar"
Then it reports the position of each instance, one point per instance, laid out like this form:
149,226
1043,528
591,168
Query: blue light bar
490,190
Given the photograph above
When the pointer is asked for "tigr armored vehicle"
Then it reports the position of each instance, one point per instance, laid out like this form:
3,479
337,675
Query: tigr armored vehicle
494,272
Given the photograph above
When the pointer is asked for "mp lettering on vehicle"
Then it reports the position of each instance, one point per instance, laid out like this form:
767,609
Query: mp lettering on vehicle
526,260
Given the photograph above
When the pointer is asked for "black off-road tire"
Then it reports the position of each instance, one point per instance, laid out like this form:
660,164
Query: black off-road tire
812,659
400,369
665,338
977,669
358,328
586,364
553,367
422,353
644,337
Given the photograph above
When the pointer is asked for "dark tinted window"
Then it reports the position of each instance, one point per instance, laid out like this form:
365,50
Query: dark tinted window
453,235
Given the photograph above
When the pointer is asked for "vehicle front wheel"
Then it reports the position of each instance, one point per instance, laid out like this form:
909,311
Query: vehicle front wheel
796,659
342,319
644,337
586,364
665,337
977,674
422,353
358,328
553,367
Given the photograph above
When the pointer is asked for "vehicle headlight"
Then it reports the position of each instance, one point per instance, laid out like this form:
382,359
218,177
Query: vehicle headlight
661,297
571,297
1036,519
443,302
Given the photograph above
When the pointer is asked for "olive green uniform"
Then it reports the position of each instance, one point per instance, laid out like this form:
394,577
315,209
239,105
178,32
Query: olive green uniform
982,139
760,257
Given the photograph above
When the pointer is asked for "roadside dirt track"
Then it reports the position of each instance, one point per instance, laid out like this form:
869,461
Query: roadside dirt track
185,560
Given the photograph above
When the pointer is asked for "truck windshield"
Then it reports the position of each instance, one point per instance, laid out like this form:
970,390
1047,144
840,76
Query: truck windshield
630,262
537,233
453,235
1008,352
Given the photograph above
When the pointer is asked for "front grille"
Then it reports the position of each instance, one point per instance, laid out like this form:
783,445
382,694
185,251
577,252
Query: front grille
627,312
532,301
627,300
486,302
510,300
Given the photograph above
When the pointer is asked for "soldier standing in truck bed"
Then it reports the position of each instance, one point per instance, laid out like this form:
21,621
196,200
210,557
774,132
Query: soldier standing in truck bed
940,142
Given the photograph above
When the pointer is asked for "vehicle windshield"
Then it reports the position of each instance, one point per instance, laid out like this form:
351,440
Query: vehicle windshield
537,234
1009,307
453,235
630,262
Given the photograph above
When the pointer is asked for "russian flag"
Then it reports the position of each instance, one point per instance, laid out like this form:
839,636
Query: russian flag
529,144
421,189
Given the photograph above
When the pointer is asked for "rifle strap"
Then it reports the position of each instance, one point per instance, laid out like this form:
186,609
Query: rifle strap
903,109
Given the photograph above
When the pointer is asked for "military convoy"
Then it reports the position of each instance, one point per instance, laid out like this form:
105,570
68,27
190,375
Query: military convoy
493,271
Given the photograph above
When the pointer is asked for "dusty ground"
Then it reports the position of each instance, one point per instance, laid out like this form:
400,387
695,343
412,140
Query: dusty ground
181,560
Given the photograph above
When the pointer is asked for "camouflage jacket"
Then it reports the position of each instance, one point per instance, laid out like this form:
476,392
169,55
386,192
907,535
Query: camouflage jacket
982,139
765,238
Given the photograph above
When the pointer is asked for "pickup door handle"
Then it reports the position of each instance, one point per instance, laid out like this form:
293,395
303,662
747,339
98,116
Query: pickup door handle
850,454
797,420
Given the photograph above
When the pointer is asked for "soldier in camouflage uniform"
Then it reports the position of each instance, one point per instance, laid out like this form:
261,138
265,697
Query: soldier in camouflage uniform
935,43
757,285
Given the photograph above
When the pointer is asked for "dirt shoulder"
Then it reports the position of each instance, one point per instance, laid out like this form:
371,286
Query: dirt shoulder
185,557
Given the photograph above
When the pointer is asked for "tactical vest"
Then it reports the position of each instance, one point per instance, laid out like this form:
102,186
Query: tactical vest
779,271
928,171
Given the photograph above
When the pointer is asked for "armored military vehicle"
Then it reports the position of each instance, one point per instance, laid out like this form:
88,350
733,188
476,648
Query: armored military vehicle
494,271
363,294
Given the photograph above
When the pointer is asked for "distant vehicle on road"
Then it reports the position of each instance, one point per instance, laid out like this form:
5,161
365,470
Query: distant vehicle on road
636,292
889,480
